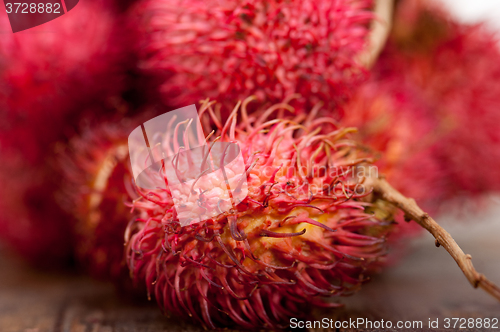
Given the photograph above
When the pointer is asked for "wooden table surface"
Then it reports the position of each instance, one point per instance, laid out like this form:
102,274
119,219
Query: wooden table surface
426,284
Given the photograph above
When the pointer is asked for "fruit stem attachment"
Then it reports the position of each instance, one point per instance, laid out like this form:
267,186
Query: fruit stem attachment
443,238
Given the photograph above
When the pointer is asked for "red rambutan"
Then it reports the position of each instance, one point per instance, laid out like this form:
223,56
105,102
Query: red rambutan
392,121
275,49
302,233
431,106
49,76
426,110
460,81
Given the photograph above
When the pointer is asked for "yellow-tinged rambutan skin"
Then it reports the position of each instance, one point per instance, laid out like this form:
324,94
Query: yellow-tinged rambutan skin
304,232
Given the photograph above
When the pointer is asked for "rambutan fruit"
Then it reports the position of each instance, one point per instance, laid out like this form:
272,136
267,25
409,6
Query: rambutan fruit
32,225
302,233
53,72
420,110
50,77
95,168
97,182
392,122
391,114
460,80
309,227
271,49
431,102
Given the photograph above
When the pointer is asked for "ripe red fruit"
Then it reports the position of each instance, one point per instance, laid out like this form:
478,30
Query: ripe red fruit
49,76
227,50
431,107
96,173
302,233
52,72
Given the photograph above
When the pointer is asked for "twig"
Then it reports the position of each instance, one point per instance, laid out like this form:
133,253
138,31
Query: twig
443,238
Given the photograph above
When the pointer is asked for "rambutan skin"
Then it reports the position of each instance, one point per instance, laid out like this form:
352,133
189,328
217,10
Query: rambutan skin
96,184
304,232
226,50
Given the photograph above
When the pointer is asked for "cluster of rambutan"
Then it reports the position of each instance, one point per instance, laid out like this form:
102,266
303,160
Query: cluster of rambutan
70,93
306,229
304,232
52,72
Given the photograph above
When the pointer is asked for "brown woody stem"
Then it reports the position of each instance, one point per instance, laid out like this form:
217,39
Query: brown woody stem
443,238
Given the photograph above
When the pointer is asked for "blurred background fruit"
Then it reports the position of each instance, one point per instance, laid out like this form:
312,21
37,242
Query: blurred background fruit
51,77
227,50
428,107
